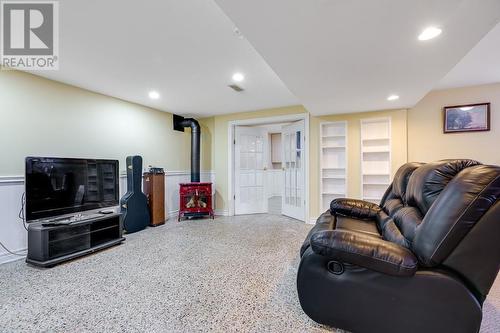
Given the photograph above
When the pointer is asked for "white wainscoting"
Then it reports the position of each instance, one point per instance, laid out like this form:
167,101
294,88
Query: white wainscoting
12,233
14,237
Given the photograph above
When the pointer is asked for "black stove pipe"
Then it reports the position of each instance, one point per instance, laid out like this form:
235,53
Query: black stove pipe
179,124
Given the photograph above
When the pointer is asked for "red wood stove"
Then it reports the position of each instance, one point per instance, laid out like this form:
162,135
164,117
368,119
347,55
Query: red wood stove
195,200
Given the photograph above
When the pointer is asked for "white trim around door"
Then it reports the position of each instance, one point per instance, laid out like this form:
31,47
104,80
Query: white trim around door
262,121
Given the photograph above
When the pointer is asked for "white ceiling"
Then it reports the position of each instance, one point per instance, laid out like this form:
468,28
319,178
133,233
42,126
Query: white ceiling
186,50
480,66
342,56
336,56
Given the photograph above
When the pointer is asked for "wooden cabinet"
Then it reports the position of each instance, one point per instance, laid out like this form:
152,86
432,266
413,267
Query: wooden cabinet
154,188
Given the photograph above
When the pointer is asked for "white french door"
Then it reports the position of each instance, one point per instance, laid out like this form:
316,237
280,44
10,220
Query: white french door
250,160
293,200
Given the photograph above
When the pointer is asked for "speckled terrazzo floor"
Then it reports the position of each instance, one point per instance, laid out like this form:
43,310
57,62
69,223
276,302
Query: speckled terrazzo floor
228,275
231,274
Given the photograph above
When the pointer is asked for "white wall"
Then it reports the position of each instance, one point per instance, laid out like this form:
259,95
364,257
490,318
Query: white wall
12,233
14,236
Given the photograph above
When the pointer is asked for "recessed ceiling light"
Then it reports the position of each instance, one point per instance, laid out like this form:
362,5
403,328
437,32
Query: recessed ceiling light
392,97
429,33
154,95
466,108
238,77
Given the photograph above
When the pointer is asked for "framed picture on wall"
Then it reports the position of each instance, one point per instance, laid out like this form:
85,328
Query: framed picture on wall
467,118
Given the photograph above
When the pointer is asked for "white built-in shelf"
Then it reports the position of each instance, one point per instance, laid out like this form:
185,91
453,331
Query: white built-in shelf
376,138
333,160
371,150
333,136
375,157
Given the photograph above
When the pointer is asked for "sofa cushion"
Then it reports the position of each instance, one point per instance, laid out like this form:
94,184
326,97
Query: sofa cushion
426,182
354,224
390,231
461,204
401,179
395,196
365,251
355,208
326,221
389,222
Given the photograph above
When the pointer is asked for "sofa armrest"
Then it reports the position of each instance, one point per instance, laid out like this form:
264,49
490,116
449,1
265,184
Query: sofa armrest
365,251
354,208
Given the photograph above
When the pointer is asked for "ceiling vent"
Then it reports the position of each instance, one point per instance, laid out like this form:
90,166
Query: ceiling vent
236,87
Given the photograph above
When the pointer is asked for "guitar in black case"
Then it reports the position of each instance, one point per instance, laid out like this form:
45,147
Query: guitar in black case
134,204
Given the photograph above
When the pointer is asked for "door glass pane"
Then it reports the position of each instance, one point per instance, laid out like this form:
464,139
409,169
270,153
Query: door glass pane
259,164
297,135
243,160
259,144
251,163
251,143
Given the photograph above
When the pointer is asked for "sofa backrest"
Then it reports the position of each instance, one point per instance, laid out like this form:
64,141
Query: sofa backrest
397,221
455,211
441,211
428,181
477,257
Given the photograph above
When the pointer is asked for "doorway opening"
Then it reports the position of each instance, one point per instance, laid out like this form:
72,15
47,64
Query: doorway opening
268,163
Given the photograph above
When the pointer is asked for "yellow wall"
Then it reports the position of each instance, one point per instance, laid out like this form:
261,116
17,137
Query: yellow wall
207,143
220,148
41,117
426,140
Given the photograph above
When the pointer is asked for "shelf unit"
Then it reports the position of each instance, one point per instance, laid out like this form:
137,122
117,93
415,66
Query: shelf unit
375,158
51,245
333,160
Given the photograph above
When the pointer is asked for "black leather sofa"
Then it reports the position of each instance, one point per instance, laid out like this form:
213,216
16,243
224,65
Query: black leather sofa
421,261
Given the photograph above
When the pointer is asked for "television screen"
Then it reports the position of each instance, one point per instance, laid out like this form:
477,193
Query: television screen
58,186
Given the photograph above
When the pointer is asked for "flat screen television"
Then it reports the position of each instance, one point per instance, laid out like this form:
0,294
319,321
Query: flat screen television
59,186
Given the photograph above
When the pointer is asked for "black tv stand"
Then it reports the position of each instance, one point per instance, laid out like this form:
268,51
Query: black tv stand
49,245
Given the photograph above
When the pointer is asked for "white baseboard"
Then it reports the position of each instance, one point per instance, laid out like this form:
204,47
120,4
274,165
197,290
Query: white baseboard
7,257
173,214
221,212
312,221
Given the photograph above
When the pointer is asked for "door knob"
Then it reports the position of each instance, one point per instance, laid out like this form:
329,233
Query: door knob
265,168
